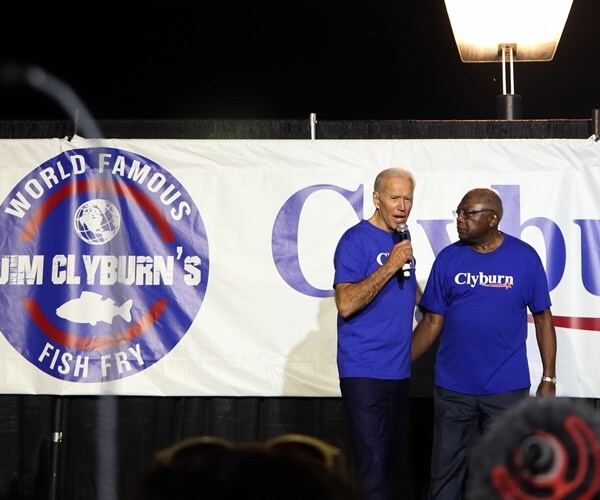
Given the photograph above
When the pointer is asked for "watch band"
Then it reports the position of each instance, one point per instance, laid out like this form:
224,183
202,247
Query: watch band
552,380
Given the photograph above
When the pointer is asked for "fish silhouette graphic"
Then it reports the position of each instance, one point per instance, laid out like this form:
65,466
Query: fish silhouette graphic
90,308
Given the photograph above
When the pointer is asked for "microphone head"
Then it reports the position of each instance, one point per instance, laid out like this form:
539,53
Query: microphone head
402,228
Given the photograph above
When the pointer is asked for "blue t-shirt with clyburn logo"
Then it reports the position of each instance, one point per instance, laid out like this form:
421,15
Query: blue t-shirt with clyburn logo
484,299
375,341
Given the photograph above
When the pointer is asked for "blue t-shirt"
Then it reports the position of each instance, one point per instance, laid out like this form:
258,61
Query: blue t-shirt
375,341
484,299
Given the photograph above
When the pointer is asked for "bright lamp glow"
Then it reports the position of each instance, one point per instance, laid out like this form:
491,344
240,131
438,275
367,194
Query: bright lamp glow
531,27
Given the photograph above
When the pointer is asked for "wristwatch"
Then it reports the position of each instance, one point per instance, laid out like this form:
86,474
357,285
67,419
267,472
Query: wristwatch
552,380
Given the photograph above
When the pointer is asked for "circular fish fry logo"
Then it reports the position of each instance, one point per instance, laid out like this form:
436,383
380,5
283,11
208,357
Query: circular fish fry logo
104,264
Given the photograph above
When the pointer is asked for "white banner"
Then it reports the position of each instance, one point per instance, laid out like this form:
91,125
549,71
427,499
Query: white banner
205,267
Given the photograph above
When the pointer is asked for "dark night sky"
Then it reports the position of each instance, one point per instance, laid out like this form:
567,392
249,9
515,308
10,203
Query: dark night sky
343,60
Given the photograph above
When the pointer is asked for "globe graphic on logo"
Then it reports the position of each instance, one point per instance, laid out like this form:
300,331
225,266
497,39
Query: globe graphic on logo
97,221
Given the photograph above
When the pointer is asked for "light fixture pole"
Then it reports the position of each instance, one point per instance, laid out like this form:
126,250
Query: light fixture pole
508,104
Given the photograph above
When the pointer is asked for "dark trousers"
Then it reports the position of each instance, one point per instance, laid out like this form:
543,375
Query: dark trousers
457,419
376,411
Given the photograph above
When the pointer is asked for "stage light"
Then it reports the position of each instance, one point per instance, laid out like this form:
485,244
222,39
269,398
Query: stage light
507,31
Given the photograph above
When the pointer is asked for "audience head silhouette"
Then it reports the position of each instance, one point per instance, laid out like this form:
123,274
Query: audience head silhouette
291,467
543,448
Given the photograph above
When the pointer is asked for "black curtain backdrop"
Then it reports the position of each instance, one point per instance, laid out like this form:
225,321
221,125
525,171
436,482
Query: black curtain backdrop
52,445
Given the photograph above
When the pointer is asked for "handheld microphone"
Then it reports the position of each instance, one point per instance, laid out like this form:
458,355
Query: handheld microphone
402,231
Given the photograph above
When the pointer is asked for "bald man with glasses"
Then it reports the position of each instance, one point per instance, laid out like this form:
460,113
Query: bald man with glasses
476,301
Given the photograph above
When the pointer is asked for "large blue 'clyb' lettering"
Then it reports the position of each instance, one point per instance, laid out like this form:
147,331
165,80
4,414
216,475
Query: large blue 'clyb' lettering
285,237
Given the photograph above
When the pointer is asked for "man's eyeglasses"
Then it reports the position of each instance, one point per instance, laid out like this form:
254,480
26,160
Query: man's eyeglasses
470,214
